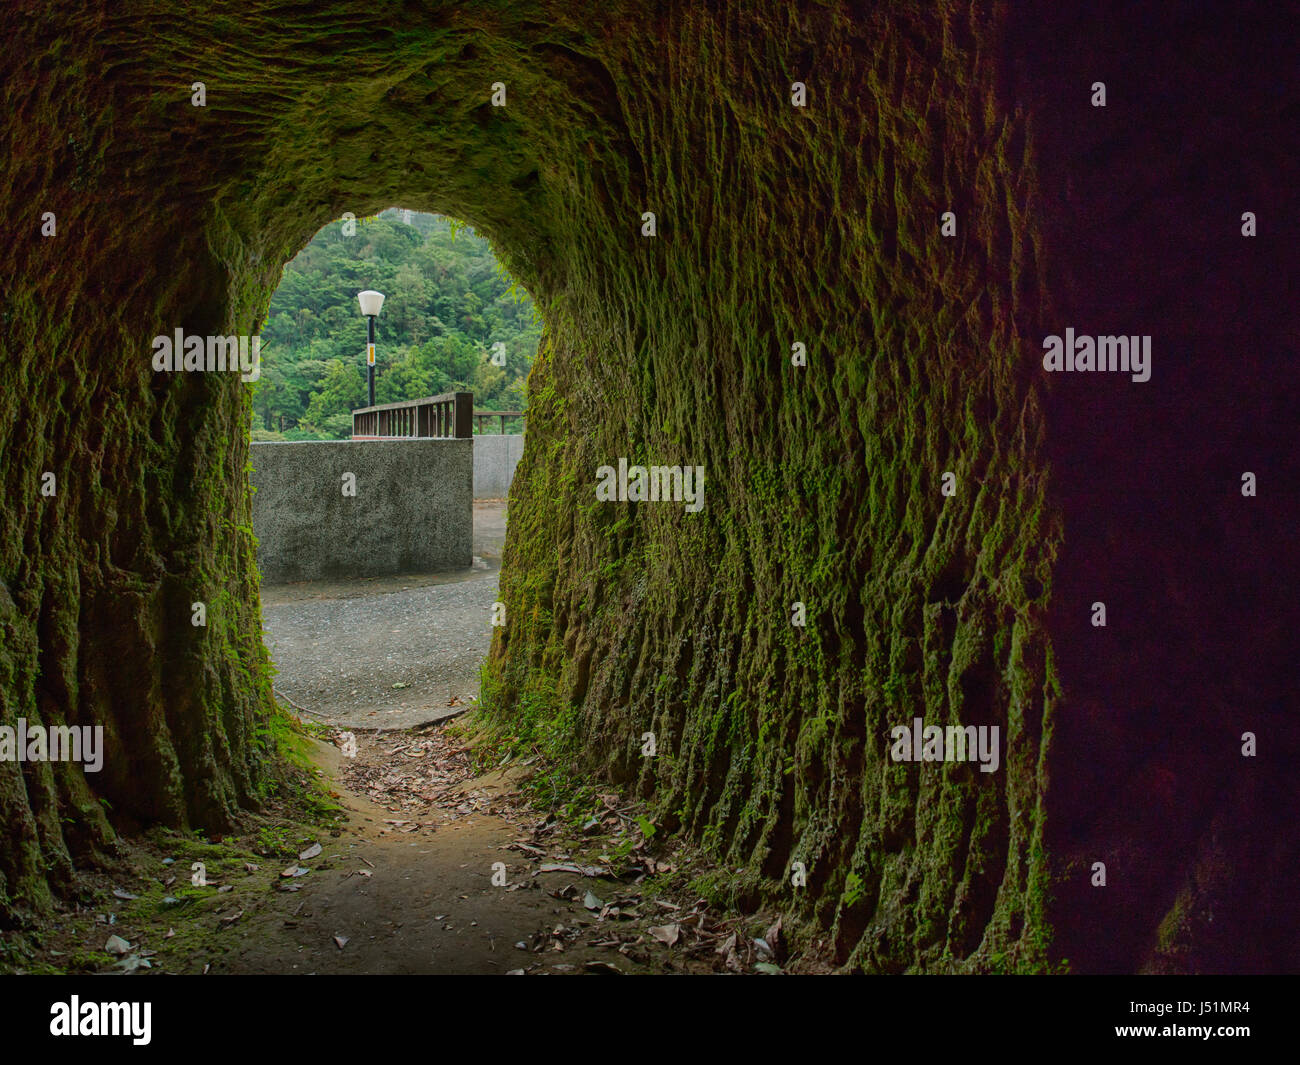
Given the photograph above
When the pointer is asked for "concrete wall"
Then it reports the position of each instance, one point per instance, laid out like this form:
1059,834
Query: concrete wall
413,511
495,459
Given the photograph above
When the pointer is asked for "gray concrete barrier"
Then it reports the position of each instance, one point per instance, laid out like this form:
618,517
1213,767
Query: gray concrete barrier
495,459
412,512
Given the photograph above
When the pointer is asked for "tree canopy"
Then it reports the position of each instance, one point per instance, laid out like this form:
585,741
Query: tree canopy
448,303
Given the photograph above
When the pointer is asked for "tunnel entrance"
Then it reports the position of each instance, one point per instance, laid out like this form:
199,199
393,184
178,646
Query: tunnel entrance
453,319
390,637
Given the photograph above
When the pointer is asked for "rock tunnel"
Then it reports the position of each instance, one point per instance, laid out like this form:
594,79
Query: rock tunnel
947,512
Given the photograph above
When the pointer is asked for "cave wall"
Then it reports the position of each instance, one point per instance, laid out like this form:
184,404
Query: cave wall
1145,227
776,224
818,225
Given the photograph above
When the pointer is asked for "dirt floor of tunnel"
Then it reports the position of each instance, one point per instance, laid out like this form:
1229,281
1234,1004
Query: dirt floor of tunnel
411,891
403,883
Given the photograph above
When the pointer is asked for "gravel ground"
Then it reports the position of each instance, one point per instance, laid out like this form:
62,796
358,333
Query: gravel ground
392,652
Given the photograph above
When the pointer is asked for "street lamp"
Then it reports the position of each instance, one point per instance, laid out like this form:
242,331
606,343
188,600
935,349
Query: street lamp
371,302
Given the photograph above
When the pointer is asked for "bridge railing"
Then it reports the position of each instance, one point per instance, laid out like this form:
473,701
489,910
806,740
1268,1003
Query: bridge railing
446,416
480,416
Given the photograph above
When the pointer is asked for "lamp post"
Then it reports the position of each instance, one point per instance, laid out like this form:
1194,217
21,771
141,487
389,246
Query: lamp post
371,302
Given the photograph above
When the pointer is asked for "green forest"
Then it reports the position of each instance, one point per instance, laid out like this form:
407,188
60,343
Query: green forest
448,303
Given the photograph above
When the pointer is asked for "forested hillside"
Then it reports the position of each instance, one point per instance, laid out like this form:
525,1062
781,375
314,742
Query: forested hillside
448,303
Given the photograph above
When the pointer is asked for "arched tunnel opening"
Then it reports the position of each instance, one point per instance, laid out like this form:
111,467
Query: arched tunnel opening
379,565
817,252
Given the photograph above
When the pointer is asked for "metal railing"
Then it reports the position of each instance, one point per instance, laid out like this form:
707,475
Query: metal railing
481,415
446,416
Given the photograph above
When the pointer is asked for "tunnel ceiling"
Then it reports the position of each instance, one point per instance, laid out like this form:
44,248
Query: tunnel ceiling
946,512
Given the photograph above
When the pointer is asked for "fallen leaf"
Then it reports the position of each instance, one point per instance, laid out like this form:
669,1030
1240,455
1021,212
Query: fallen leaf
310,852
667,934
119,893
341,941
728,949
775,938
564,867
116,945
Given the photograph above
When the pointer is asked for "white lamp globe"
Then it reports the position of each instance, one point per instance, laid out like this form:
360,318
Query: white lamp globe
371,301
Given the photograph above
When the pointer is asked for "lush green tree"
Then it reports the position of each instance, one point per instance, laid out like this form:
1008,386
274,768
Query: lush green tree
330,409
448,302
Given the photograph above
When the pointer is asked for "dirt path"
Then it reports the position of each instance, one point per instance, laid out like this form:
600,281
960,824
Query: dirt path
449,873
422,867
419,901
